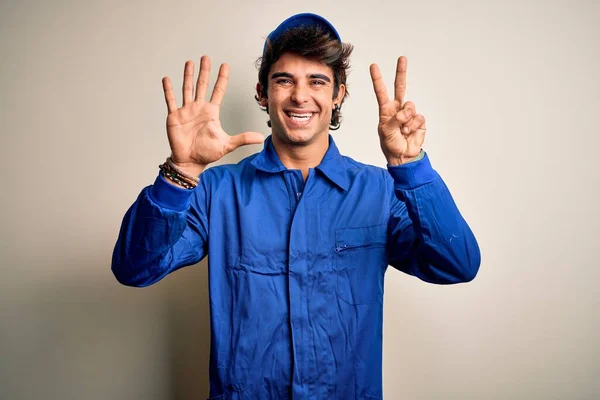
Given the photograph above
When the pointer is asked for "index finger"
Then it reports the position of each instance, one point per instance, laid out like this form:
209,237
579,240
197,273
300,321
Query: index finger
379,85
400,82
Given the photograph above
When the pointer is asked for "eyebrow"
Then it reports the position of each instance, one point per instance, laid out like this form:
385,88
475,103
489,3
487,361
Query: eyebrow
311,76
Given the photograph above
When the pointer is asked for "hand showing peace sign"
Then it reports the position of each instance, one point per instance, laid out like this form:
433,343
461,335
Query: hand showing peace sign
194,130
401,129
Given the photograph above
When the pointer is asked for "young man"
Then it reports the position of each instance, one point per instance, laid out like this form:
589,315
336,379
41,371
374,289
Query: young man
298,237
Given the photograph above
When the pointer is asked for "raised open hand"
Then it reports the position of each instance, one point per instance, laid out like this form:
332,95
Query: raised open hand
194,130
401,130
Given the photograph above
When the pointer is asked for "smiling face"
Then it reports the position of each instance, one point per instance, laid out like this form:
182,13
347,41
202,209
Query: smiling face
300,100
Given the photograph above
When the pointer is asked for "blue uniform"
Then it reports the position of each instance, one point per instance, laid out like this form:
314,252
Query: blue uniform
296,268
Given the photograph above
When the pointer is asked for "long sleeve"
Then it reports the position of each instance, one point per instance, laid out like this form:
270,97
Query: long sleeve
165,229
428,237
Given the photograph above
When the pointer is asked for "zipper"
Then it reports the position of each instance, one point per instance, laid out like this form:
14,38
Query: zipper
341,248
344,247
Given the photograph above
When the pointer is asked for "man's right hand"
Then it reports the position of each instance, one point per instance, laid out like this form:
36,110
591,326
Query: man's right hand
194,130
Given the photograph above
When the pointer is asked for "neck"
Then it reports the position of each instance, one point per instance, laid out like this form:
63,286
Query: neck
301,156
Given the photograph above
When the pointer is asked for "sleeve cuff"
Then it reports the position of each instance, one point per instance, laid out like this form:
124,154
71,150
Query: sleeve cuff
413,174
169,196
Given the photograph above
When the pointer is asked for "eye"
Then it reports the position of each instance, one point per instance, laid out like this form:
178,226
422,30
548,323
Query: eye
283,81
318,83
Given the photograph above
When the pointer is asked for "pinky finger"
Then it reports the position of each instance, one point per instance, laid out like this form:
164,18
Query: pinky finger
169,96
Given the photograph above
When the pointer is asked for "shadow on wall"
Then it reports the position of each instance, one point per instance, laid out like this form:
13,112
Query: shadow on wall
188,326
91,338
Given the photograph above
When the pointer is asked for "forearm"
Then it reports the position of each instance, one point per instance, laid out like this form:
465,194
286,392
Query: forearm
441,246
156,236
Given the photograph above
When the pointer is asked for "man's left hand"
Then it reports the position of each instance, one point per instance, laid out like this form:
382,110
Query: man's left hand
401,129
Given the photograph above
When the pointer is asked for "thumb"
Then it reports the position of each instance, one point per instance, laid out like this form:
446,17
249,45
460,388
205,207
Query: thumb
244,139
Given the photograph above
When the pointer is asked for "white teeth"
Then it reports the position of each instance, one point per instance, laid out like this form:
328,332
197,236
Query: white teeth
300,117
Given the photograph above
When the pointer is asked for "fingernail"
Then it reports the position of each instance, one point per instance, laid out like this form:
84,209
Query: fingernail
405,129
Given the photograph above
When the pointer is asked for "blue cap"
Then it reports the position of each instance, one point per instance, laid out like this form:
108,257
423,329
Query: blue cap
306,19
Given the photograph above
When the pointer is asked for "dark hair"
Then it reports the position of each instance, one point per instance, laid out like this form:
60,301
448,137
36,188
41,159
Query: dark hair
311,42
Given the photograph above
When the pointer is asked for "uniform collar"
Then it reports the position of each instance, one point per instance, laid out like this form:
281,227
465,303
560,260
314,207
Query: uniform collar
333,165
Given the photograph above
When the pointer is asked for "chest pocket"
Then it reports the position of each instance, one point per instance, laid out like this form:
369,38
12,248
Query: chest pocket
360,263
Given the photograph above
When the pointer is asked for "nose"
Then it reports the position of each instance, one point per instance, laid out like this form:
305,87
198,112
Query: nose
300,94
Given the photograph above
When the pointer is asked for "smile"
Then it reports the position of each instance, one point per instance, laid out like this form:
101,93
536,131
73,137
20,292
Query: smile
299,118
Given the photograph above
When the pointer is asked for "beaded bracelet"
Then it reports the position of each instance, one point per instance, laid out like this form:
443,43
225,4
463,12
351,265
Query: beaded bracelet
170,171
169,175
174,178
179,171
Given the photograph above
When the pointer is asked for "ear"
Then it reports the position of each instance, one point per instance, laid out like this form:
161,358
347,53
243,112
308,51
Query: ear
341,94
262,100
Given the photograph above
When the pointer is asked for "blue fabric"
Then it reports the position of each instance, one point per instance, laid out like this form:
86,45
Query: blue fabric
302,19
296,269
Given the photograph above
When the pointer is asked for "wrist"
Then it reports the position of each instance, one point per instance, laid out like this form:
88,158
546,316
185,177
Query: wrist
394,161
190,168
183,175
